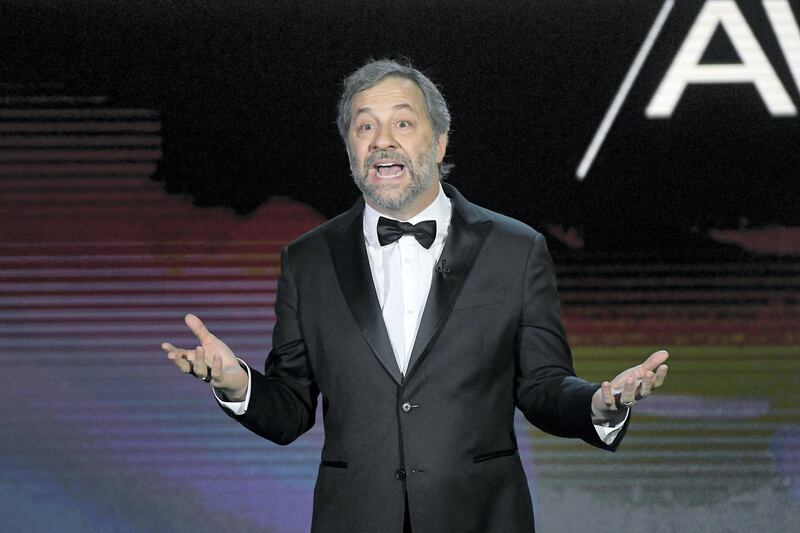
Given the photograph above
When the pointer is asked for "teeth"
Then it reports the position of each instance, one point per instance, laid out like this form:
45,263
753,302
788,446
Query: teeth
383,166
390,176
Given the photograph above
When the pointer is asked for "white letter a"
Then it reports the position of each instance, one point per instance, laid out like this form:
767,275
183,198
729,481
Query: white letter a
755,68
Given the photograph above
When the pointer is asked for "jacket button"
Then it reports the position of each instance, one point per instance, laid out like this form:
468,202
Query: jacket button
406,407
400,474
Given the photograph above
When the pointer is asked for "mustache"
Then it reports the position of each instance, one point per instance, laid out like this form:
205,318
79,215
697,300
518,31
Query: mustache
387,154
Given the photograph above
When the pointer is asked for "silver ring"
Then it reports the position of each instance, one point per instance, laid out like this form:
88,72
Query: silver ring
626,404
207,378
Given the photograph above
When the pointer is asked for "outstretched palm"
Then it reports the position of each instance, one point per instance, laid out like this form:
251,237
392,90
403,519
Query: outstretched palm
631,385
211,356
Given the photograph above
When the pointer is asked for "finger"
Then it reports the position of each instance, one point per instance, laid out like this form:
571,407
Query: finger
608,395
661,374
190,357
179,358
647,384
199,363
654,361
216,371
198,328
628,394
201,356
631,373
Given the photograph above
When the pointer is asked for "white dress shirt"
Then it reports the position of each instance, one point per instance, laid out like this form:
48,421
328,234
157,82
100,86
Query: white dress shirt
402,297
402,273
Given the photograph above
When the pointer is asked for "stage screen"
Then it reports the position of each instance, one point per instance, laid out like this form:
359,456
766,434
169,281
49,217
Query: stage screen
156,156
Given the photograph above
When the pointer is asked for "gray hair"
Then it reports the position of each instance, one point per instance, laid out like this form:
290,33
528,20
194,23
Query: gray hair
376,70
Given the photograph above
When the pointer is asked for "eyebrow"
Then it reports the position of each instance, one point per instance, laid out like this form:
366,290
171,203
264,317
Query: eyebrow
394,108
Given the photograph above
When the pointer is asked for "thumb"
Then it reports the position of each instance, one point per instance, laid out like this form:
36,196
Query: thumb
655,360
198,328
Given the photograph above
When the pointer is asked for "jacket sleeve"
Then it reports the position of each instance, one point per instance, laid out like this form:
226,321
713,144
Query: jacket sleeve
546,389
283,400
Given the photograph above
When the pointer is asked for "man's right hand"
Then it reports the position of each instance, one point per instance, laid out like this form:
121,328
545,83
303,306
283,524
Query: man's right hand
226,373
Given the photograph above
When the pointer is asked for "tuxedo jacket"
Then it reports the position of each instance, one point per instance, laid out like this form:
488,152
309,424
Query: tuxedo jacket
490,340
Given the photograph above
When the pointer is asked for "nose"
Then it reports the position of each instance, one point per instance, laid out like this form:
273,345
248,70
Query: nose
383,139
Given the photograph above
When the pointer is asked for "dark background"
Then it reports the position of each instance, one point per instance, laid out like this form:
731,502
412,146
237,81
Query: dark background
247,94
147,150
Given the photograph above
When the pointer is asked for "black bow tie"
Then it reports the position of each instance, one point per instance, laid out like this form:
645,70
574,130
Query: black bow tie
390,231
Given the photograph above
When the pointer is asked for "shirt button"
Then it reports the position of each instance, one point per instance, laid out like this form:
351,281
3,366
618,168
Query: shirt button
406,407
410,311
400,474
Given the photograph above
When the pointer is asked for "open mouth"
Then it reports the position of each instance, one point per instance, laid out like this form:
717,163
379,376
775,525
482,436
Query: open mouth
388,169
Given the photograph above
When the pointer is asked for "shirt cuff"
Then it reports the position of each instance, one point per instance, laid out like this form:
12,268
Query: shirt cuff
608,434
238,408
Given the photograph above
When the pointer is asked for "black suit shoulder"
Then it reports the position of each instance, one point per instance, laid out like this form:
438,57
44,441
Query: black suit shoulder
505,227
308,247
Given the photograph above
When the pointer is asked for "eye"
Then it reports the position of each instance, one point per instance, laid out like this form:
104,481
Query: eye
365,127
403,124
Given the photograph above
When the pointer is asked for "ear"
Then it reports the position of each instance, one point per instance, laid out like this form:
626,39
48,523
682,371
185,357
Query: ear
441,147
350,155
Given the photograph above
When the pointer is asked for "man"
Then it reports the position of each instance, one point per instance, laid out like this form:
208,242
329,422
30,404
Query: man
422,336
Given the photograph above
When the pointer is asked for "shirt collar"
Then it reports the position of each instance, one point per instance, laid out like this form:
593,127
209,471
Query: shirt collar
439,210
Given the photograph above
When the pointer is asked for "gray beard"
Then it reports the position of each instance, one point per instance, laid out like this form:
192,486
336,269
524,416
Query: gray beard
395,197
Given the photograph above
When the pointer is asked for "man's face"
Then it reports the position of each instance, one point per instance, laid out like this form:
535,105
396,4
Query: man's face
392,150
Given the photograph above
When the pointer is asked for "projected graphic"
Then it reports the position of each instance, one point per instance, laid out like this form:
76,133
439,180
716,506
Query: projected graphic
156,164
752,67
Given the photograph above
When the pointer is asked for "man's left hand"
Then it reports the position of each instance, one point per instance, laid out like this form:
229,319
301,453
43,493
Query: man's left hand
612,399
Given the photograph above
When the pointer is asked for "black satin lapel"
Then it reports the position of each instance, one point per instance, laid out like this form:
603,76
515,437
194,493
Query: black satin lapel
352,268
463,244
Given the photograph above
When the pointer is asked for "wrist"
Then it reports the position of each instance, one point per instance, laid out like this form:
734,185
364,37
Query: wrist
609,417
233,395
238,391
